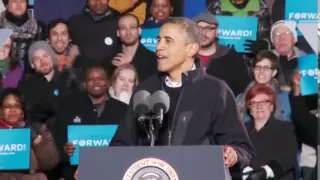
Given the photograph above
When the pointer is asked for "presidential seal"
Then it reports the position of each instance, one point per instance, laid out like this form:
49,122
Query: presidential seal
150,169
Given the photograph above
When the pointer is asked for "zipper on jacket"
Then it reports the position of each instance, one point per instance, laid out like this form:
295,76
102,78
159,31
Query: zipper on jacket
174,118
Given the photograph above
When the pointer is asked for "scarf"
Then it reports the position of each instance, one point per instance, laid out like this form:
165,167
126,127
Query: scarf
97,18
123,97
242,105
20,124
26,31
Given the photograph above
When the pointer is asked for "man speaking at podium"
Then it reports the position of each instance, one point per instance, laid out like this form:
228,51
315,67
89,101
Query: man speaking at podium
202,108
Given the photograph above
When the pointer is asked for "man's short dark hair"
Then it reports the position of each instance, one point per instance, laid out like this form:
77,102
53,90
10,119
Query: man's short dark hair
170,2
95,66
130,15
55,22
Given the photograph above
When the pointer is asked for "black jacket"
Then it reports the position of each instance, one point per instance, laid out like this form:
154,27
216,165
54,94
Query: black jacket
96,39
276,146
306,125
77,109
206,113
226,64
144,61
42,97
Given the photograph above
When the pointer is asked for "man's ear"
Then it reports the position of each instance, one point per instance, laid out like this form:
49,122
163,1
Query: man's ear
274,73
192,49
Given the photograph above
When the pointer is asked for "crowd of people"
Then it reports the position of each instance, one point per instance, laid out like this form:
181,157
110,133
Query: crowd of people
80,61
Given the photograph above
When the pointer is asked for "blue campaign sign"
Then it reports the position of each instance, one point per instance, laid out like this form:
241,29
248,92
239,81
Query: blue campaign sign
89,136
308,67
192,8
149,38
234,30
302,12
15,149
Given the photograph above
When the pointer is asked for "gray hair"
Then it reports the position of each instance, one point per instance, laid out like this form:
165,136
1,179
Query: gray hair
189,26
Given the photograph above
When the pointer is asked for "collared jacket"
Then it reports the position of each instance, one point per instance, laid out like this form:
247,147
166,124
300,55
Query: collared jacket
206,113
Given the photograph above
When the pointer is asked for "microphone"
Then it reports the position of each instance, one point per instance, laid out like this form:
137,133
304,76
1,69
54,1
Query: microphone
141,107
160,104
141,101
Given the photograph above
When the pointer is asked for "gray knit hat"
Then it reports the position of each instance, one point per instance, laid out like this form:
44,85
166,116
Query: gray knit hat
41,45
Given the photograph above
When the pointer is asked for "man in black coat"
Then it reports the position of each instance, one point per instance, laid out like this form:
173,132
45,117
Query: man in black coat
132,51
306,123
94,31
196,100
93,107
43,90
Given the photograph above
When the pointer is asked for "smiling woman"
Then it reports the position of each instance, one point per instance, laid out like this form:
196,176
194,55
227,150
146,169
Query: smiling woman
274,140
123,82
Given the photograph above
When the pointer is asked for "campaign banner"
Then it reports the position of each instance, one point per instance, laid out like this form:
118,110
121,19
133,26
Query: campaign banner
306,12
15,149
234,31
308,68
302,12
192,8
89,136
149,38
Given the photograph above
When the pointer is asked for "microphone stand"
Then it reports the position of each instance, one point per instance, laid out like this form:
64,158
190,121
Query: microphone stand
159,119
153,129
151,132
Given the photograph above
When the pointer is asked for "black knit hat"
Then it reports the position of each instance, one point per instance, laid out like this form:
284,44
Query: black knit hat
5,2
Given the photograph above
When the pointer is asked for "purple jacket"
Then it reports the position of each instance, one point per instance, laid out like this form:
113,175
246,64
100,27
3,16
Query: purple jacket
13,77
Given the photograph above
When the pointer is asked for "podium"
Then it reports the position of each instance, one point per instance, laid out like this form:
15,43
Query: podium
153,163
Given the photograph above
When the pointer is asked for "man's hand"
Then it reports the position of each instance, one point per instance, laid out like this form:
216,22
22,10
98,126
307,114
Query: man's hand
230,156
296,78
74,52
75,176
121,59
69,149
38,140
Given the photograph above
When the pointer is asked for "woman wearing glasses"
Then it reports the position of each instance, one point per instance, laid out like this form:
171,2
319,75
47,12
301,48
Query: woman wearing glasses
265,68
274,140
43,154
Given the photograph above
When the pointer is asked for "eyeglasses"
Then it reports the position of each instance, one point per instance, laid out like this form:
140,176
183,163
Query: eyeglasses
258,103
207,28
278,34
263,68
12,106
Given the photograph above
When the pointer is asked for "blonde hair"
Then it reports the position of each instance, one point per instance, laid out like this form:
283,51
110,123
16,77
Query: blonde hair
123,67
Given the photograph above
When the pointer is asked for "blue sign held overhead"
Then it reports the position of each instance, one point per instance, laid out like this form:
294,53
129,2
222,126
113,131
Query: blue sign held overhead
192,8
234,30
149,38
15,147
89,136
308,68
301,13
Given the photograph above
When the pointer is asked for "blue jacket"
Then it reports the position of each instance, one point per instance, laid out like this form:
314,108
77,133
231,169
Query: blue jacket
48,10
